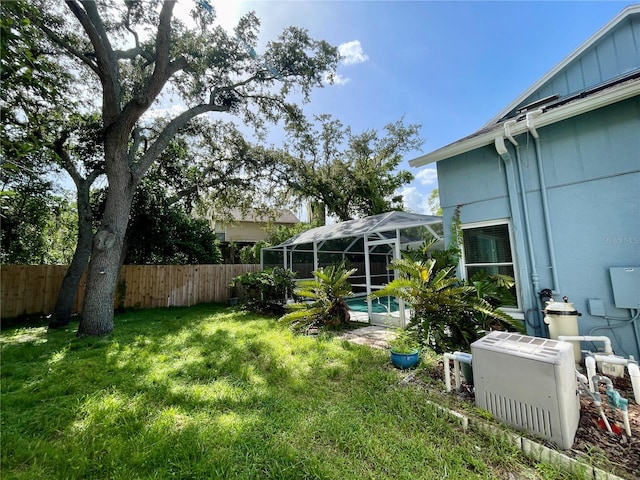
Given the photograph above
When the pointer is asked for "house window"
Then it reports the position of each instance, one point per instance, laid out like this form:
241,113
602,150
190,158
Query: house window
220,232
487,248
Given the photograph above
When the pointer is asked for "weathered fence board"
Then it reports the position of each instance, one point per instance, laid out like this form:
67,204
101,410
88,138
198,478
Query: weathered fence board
33,289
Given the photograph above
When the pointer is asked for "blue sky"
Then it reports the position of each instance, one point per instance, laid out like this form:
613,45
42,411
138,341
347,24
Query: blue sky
447,65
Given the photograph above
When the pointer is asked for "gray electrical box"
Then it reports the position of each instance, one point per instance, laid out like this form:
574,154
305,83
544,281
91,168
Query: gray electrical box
596,307
625,282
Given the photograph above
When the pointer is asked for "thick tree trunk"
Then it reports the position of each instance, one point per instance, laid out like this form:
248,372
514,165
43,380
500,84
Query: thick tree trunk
317,211
67,293
104,267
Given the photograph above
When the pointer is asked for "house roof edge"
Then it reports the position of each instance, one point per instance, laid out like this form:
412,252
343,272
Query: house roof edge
487,136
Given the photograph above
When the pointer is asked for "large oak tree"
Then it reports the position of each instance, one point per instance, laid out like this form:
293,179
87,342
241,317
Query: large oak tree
131,54
350,175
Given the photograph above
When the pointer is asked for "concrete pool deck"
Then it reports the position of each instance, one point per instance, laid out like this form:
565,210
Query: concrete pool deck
373,336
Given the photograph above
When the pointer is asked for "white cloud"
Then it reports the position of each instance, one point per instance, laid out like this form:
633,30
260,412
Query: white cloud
414,200
337,79
427,176
352,53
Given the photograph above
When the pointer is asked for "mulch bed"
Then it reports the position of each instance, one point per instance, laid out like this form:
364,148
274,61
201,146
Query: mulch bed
615,453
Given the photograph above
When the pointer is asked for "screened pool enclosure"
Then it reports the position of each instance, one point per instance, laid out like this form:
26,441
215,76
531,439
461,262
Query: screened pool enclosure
369,245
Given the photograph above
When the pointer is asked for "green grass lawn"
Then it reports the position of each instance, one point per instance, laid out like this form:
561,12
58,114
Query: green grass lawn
209,392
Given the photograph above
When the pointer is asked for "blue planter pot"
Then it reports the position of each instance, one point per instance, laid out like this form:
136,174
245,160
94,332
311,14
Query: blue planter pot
405,360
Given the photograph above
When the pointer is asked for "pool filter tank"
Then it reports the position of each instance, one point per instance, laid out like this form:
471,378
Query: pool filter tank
562,319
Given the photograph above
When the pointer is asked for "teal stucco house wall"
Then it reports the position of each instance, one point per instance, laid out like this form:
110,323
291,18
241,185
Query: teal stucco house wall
549,190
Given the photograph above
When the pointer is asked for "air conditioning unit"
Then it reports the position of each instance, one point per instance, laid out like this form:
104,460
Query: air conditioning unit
528,383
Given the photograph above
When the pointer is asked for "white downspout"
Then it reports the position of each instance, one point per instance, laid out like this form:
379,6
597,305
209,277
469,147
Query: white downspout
518,223
545,201
535,279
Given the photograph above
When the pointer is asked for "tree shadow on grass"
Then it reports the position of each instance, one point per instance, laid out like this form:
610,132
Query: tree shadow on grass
201,389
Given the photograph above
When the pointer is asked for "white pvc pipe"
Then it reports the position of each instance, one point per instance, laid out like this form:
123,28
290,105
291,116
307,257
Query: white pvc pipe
625,420
590,363
457,358
613,359
634,374
606,422
632,368
589,338
447,376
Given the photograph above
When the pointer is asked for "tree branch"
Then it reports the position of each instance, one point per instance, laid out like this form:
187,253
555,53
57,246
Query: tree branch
137,139
69,165
133,53
55,38
108,70
167,133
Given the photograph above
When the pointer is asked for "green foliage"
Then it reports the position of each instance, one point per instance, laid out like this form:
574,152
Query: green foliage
434,202
161,232
354,175
38,227
277,234
250,254
405,340
323,300
34,96
448,314
264,291
25,210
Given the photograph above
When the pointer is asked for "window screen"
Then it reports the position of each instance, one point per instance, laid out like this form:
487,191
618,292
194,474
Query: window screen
488,249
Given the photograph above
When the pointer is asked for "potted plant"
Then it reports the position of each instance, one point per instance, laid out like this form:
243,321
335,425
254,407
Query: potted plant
404,349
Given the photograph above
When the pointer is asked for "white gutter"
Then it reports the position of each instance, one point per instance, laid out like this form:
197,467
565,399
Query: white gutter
572,109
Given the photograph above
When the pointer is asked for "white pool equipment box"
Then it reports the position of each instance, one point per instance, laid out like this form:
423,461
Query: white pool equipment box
528,383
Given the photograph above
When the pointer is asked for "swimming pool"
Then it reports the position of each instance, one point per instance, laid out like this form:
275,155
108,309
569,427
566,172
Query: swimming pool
378,305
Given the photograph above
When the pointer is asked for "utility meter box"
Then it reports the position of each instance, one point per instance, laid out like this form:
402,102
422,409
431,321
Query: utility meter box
528,383
625,282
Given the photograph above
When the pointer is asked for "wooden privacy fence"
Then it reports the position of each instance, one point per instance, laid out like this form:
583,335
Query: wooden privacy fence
32,289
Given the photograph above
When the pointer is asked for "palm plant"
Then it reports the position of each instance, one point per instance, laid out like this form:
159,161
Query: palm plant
324,305
447,313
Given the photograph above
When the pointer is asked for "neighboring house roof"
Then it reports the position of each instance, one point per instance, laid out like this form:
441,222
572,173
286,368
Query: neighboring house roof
547,102
355,228
255,216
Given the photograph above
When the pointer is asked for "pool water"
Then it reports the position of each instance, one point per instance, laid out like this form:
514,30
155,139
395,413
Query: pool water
378,305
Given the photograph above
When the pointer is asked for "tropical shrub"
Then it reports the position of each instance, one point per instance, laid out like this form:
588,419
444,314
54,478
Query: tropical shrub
251,253
265,291
447,313
323,300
